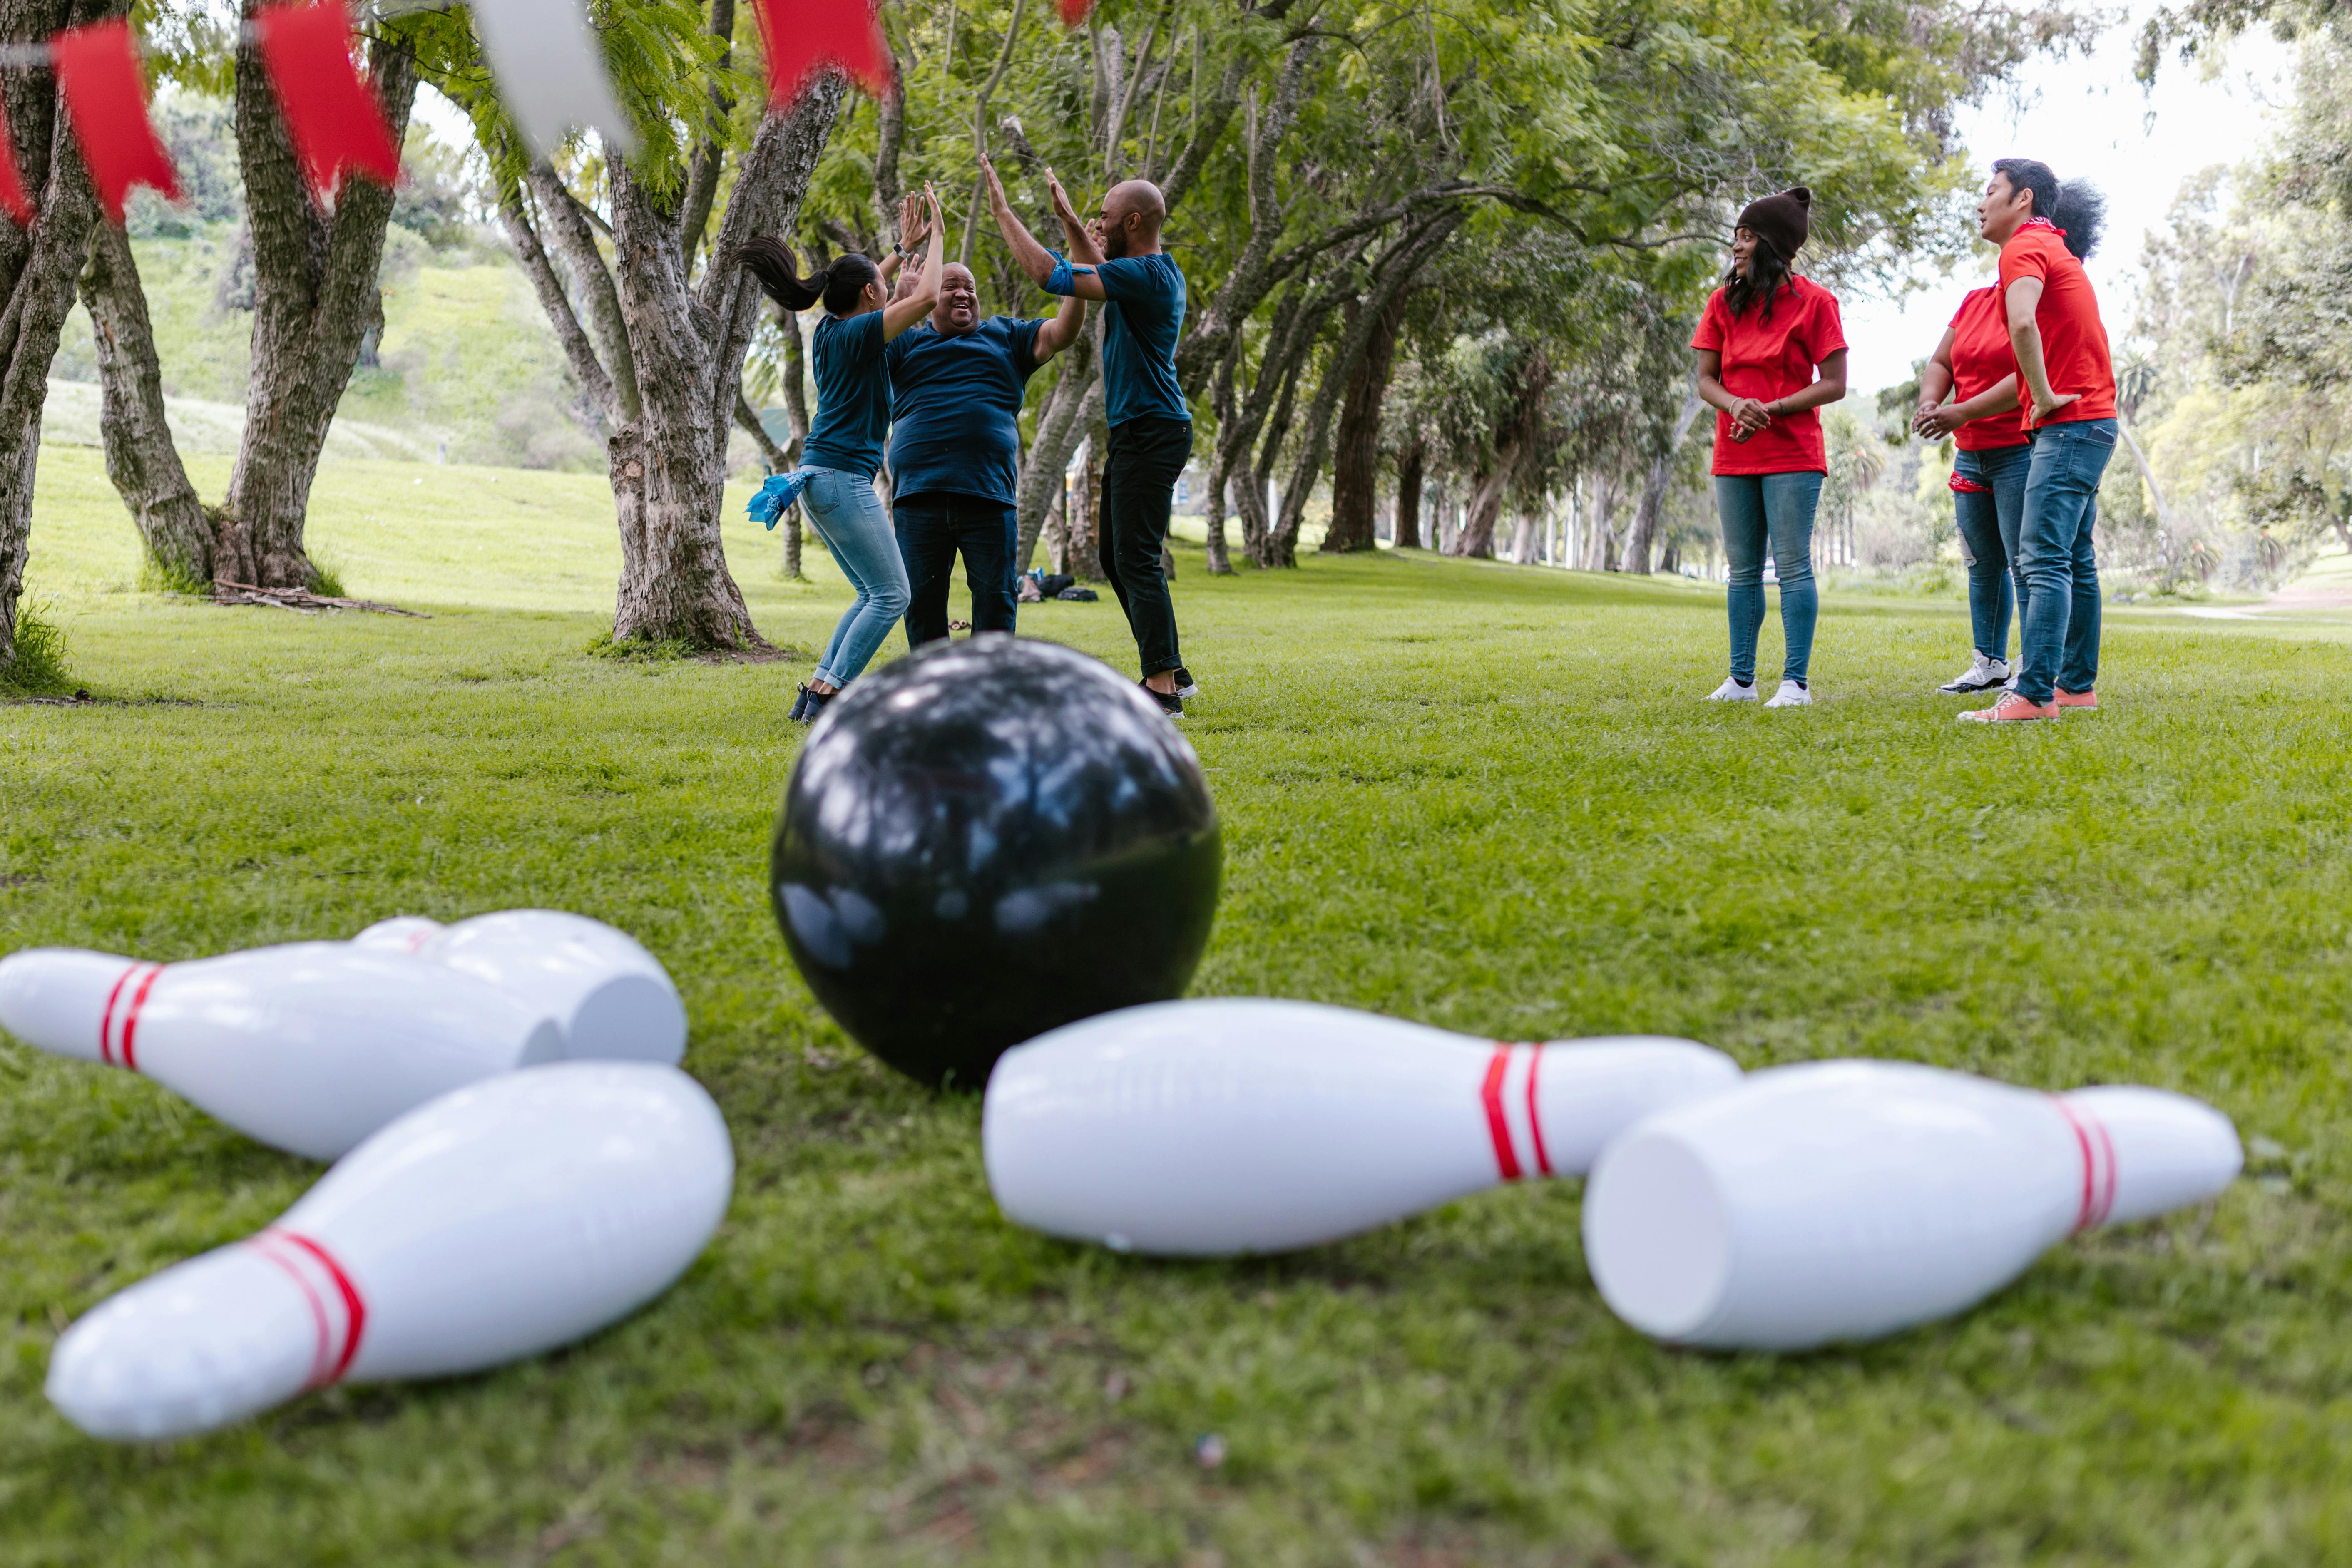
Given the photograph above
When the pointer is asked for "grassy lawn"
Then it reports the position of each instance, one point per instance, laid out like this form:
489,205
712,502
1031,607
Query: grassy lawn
1480,795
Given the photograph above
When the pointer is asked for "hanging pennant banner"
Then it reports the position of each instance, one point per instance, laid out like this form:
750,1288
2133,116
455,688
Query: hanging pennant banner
803,37
12,183
550,72
332,115
1075,12
98,73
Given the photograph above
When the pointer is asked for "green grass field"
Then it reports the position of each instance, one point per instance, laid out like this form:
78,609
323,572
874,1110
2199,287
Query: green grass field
1479,795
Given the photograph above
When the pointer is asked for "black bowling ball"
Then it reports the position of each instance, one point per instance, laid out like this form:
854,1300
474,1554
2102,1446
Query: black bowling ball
988,840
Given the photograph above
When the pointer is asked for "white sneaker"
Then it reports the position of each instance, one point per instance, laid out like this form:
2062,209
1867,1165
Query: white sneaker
1732,691
1982,675
1790,695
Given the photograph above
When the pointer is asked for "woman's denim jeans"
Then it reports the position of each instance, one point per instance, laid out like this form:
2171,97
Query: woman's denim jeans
1774,509
1989,520
847,515
2056,557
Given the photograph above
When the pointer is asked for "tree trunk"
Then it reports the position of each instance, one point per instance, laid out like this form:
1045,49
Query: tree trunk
1522,538
796,413
1599,533
38,269
702,172
1356,449
1391,274
314,299
668,465
1407,530
1661,474
140,455
1054,533
1083,545
1071,409
1486,489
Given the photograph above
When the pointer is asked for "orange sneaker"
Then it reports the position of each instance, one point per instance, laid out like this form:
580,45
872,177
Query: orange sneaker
2011,707
2065,698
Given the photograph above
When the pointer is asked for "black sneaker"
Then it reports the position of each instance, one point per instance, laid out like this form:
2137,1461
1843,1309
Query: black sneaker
816,702
1170,703
800,704
1185,685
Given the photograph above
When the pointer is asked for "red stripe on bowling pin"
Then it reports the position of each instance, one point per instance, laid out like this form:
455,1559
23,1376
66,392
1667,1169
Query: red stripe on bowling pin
1498,1126
2098,1164
1535,1120
328,1364
323,1353
1498,1121
106,1019
117,1051
130,1018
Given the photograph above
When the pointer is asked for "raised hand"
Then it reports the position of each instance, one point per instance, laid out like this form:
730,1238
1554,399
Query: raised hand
995,185
911,220
1062,208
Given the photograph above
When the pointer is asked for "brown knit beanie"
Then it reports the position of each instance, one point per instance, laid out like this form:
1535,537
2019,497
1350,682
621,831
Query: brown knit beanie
1780,221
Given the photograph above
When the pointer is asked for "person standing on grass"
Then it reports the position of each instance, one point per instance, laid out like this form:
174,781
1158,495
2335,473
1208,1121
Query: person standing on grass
1117,259
844,446
1974,366
2059,343
956,386
1759,341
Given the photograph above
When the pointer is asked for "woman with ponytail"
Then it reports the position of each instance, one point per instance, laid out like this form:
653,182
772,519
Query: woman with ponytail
2067,382
1761,337
844,446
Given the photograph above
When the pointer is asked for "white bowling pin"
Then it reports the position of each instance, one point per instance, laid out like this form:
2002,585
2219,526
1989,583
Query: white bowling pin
1845,1200
498,1222
1227,1126
401,933
611,997
309,1047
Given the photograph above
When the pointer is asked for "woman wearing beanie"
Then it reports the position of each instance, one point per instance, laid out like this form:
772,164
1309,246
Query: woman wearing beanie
1974,367
2044,230
844,446
1759,341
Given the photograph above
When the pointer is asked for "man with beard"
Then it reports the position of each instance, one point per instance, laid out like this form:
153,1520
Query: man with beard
956,386
1117,259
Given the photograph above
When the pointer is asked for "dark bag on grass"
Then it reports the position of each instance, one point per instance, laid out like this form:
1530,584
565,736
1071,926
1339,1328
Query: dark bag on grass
1077,595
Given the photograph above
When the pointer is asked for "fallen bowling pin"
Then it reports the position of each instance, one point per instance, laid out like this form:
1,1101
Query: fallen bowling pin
611,998
498,1222
1214,1126
1846,1199
309,1047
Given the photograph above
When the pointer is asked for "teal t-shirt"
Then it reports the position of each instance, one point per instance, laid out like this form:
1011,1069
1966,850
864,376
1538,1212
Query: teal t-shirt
853,395
1143,314
955,407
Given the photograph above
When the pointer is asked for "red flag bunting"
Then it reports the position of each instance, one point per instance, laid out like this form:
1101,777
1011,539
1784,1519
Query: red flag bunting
1075,12
806,36
11,184
97,72
332,117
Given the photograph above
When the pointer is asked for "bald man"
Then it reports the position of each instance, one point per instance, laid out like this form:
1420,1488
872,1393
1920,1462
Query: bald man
957,382
1117,259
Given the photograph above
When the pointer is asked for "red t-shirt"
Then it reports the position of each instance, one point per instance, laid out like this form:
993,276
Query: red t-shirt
1767,359
1982,356
2073,339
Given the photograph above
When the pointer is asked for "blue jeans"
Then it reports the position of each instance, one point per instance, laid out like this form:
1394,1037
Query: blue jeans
933,526
2055,559
1777,510
1989,524
847,515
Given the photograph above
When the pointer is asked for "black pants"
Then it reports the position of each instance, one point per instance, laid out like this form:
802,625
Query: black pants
1139,486
932,527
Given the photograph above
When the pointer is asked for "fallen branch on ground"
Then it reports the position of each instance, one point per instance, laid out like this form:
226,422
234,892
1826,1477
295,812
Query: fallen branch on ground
303,600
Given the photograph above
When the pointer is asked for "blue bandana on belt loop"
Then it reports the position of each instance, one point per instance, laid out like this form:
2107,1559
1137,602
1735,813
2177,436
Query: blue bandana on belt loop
774,498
